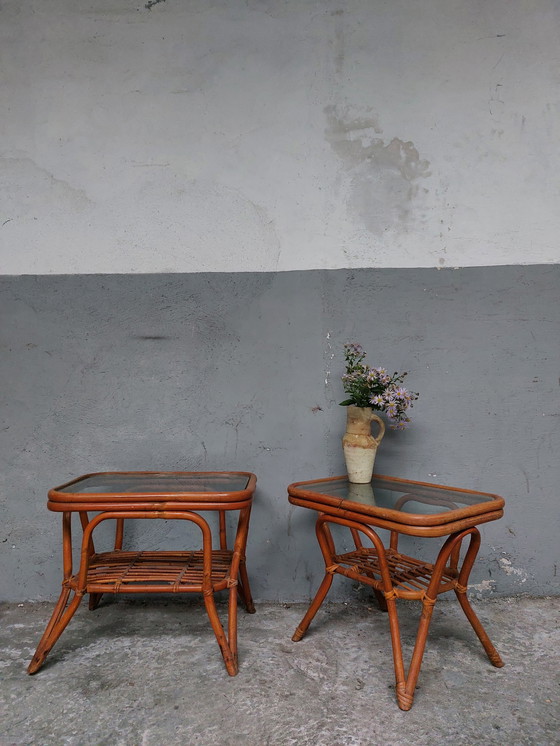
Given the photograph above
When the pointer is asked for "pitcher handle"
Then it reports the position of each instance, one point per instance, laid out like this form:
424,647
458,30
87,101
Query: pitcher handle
379,437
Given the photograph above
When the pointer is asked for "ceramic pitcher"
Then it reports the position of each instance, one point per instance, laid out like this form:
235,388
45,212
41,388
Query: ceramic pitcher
359,445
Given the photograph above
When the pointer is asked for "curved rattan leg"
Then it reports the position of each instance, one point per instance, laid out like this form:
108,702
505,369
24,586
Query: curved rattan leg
244,589
326,544
381,600
232,624
461,593
119,533
94,599
230,658
403,699
56,626
387,598
405,690
489,648
301,629
39,657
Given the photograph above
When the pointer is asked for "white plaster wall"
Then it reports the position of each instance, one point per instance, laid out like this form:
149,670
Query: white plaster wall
257,135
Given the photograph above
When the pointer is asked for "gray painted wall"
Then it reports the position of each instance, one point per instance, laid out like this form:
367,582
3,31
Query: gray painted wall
265,135
241,371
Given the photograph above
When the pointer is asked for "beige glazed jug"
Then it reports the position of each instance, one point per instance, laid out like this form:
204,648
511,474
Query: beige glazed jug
358,443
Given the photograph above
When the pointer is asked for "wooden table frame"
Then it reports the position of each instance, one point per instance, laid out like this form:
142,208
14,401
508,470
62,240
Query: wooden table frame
205,571
393,575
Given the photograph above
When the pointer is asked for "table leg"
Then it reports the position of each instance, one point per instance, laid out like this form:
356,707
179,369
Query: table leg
59,620
405,686
324,588
62,612
230,658
244,588
228,644
489,648
461,593
95,598
448,555
380,598
326,543
238,572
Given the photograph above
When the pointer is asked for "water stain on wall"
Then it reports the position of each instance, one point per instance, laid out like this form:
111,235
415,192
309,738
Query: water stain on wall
383,174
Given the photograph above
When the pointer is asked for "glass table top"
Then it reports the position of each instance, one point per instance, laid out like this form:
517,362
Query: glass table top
157,483
393,494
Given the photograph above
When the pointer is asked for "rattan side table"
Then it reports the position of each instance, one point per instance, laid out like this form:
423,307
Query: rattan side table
182,496
402,507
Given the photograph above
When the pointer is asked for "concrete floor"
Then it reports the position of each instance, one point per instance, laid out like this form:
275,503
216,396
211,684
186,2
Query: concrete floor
148,672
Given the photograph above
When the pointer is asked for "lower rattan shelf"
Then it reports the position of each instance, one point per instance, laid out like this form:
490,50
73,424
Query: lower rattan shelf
135,572
410,576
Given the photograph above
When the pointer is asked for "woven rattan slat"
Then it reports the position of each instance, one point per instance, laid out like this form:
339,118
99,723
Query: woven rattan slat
410,577
180,570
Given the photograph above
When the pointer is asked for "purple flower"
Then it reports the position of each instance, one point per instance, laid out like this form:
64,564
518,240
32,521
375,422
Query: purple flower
401,425
354,348
391,410
375,387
